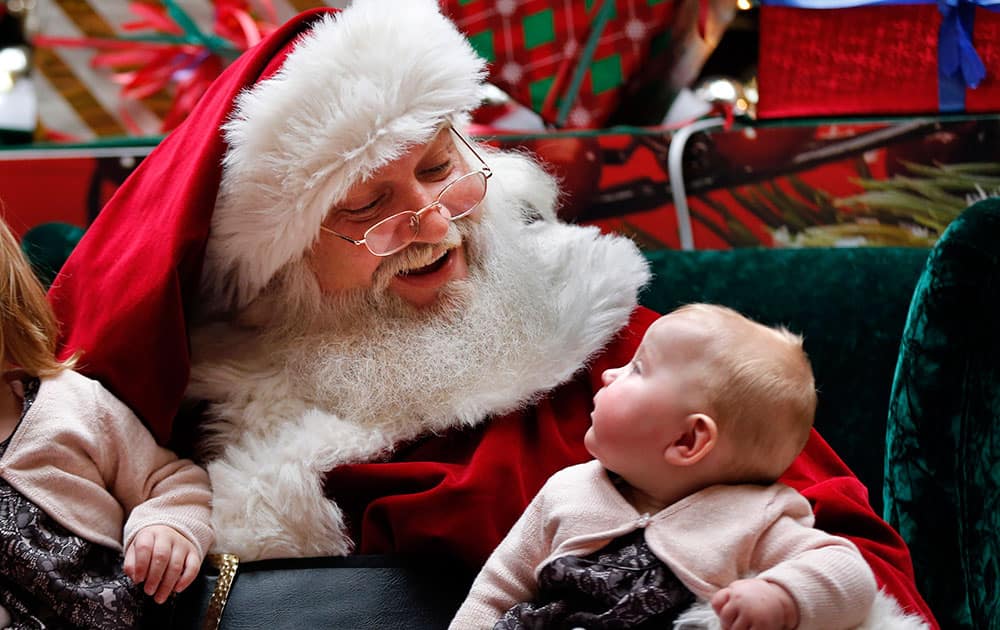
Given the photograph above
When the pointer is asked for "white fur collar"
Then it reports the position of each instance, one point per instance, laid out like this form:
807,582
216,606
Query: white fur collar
275,446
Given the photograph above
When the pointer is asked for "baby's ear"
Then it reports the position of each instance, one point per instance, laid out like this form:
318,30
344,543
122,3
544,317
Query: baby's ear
698,439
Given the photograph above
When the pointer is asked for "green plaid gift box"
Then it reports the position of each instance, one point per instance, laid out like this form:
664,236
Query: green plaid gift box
568,60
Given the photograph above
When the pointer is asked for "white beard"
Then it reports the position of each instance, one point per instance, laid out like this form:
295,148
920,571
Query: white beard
302,382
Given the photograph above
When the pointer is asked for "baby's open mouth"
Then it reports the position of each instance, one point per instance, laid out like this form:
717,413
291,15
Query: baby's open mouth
431,268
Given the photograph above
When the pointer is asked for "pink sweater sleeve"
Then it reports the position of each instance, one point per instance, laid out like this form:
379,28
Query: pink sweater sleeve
830,581
152,484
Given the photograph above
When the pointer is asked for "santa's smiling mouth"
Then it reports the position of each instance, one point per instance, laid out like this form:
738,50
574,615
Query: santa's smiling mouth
421,286
428,269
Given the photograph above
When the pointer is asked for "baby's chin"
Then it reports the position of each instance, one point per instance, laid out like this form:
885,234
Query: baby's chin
588,443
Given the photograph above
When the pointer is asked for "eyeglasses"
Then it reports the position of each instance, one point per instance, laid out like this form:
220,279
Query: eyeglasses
456,200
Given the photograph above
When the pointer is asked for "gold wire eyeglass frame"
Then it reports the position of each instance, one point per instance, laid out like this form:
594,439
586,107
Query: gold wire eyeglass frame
414,215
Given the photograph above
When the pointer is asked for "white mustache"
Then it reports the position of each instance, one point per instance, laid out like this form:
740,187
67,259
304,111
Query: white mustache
415,256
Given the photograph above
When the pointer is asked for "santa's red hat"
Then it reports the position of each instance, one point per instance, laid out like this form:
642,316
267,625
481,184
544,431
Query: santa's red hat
240,188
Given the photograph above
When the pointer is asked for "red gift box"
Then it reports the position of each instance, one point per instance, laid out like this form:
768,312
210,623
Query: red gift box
868,60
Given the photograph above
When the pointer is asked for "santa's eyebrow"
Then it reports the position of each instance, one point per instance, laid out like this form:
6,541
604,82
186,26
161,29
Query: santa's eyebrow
441,139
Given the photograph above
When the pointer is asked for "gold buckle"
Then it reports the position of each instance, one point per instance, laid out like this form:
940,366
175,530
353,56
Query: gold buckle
227,565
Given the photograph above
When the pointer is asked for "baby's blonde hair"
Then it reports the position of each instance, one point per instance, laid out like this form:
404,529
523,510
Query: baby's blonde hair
28,330
761,387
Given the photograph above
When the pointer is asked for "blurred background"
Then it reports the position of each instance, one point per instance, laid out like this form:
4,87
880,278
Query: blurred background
690,124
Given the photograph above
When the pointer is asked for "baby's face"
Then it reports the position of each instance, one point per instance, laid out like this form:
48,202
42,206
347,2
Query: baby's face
641,405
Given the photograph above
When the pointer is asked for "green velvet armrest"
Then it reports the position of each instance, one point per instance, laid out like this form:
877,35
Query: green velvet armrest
942,487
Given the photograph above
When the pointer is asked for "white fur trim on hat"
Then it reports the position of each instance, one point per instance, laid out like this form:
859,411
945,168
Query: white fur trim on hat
359,89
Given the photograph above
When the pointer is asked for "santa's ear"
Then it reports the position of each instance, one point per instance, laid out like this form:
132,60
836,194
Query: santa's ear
695,442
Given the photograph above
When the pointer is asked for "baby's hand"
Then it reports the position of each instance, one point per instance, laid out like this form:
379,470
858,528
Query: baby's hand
162,558
755,604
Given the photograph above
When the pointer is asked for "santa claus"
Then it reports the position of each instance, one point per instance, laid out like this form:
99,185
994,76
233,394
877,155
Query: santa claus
388,338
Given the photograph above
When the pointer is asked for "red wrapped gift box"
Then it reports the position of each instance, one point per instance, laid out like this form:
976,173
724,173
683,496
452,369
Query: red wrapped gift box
867,60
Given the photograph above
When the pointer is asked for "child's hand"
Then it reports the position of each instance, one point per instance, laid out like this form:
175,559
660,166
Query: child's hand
162,558
755,605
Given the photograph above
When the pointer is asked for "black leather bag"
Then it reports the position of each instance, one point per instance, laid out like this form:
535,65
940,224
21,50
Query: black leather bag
350,593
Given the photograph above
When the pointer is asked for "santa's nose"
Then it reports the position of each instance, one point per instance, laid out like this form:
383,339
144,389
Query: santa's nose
432,218
433,224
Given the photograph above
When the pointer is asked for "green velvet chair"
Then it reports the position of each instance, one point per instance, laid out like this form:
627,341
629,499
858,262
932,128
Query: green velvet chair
942,483
906,351
47,246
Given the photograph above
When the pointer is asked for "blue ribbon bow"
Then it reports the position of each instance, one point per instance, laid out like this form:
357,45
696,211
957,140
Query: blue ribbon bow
957,57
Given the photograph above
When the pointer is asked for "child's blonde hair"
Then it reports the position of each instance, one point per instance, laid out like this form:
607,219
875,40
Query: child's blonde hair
28,330
762,388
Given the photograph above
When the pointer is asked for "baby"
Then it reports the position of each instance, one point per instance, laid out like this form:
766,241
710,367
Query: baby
81,479
681,503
